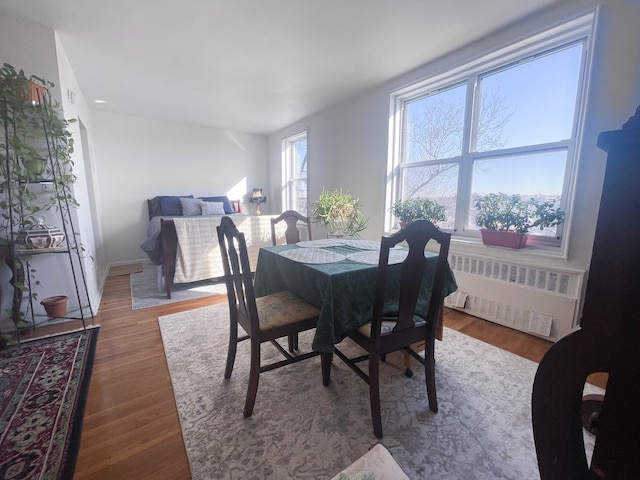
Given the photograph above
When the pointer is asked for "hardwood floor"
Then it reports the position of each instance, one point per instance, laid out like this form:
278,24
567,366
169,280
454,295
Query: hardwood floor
131,427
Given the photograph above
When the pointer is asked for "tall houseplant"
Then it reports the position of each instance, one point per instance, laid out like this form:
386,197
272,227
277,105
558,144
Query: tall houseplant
340,212
513,217
410,209
36,146
35,150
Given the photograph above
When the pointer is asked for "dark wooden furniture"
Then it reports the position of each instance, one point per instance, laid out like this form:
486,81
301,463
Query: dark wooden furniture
291,234
264,319
608,340
386,332
169,240
343,290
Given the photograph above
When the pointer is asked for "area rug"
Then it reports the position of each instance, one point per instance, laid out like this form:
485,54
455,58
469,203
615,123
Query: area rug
145,292
43,390
301,429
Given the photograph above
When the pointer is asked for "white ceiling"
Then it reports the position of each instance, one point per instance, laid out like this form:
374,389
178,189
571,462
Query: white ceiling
254,65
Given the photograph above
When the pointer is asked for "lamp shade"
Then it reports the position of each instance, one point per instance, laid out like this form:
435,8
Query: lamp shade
257,196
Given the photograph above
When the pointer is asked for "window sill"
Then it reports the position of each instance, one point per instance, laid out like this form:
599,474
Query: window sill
471,243
543,255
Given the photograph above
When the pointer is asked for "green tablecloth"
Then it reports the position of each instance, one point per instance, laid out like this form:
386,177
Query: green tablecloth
343,291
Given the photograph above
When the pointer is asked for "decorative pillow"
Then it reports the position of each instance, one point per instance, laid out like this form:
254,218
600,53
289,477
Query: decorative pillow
190,207
222,198
212,208
171,206
154,207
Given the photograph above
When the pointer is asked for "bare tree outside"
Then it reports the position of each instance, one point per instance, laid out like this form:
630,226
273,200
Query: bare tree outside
434,134
435,131
494,117
513,134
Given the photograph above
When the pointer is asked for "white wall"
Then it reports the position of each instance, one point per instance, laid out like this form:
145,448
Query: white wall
74,106
29,47
347,144
139,158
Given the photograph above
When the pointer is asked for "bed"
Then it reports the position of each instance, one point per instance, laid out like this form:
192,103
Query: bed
182,240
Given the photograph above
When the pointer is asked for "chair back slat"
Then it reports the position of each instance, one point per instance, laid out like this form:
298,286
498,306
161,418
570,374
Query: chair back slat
291,234
237,274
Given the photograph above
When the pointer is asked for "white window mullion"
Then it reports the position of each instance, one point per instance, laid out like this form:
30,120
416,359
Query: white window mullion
464,181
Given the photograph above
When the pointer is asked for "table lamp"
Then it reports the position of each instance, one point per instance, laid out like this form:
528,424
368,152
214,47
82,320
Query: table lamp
257,197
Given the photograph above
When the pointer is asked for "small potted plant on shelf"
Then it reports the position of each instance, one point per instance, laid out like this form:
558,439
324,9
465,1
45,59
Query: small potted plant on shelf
410,209
506,219
340,212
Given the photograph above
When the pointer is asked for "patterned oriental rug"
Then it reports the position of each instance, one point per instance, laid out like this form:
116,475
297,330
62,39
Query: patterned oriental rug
300,429
43,390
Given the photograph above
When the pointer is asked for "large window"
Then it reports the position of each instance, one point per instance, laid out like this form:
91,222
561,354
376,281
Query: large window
508,122
294,173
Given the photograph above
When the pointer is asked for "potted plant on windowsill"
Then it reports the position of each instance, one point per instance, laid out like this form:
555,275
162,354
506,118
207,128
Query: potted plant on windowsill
340,213
411,209
506,219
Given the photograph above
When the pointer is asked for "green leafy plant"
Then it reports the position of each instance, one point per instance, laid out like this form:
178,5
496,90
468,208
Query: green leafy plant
339,212
36,142
411,209
36,169
499,211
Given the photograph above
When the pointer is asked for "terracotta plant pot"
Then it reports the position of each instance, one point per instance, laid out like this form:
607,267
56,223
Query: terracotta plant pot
36,93
502,238
55,306
30,91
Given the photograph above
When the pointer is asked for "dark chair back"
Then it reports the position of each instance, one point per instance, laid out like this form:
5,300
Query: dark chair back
404,325
238,276
417,235
278,315
291,218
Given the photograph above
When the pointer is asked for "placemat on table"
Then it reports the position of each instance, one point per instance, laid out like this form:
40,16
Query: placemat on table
312,255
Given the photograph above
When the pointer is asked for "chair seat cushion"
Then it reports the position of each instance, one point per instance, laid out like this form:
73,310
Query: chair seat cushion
376,464
283,308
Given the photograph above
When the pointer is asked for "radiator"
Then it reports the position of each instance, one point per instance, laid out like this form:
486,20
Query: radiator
537,300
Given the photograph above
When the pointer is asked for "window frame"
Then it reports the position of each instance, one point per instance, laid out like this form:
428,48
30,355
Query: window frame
289,180
577,30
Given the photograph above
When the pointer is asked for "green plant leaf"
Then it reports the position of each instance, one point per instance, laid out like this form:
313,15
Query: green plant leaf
499,211
340,212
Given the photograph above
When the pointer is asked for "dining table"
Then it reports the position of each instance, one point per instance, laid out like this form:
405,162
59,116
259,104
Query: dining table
338,276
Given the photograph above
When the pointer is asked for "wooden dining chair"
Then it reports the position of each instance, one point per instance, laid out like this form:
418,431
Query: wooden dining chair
386,333
263,319
291,234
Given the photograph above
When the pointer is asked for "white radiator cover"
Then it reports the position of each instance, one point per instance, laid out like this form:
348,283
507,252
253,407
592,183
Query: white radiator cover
537,300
